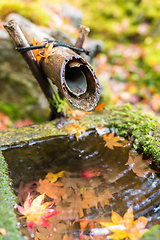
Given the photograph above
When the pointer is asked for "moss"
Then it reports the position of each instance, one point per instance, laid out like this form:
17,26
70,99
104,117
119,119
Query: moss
7,203
144,129
34,11
153,233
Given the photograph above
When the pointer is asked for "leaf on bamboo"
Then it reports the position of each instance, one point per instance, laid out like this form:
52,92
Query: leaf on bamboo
48,50
37,52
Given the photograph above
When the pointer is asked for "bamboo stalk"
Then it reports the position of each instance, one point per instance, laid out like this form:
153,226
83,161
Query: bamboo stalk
20,41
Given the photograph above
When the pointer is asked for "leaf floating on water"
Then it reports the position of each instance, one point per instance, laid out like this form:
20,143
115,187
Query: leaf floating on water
139,166
52,177
112,141
126,227
91,173
36,212
52,190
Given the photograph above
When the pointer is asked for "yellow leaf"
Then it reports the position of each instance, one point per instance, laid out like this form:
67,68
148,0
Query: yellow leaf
116,218
126,227
76,129
112,141
51,177
100,106
118,235
128,217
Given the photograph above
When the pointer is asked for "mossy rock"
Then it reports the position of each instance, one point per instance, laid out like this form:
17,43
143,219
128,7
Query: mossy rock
7,202
152,234
124,121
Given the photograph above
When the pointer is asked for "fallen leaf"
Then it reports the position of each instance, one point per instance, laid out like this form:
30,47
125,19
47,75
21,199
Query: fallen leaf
91,173
24,189
101,130
3,231
77,114
25,122
100,106
52,190
4,121
126,227
139,166
92,200
76,129
51,177
112,141
36,212
77,204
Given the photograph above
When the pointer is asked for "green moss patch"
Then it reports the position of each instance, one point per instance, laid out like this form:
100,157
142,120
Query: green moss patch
7,203
152,234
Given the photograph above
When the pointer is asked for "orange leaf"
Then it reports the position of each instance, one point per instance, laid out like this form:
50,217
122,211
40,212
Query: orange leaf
77,114
139,166
52,190
4,121
100,106
24,122
3,231
37,51
112,141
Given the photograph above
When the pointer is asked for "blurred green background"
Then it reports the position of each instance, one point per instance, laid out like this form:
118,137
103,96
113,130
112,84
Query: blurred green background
130,30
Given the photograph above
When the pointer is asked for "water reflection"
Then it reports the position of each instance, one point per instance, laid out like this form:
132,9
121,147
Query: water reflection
111,185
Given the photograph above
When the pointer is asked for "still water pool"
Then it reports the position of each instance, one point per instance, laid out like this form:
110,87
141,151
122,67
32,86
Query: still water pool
95,182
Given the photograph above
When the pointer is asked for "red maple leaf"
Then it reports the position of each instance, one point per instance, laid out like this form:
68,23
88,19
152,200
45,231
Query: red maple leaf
36,212
91,173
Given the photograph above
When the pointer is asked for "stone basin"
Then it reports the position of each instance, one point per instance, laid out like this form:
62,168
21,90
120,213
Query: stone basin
124,121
